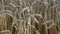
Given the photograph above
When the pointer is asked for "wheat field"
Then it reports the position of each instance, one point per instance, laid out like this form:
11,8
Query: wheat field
29,16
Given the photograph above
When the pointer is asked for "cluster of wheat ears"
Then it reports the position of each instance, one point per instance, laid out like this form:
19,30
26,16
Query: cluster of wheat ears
29,16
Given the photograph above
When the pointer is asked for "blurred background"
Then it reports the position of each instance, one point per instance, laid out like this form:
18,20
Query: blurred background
29,16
